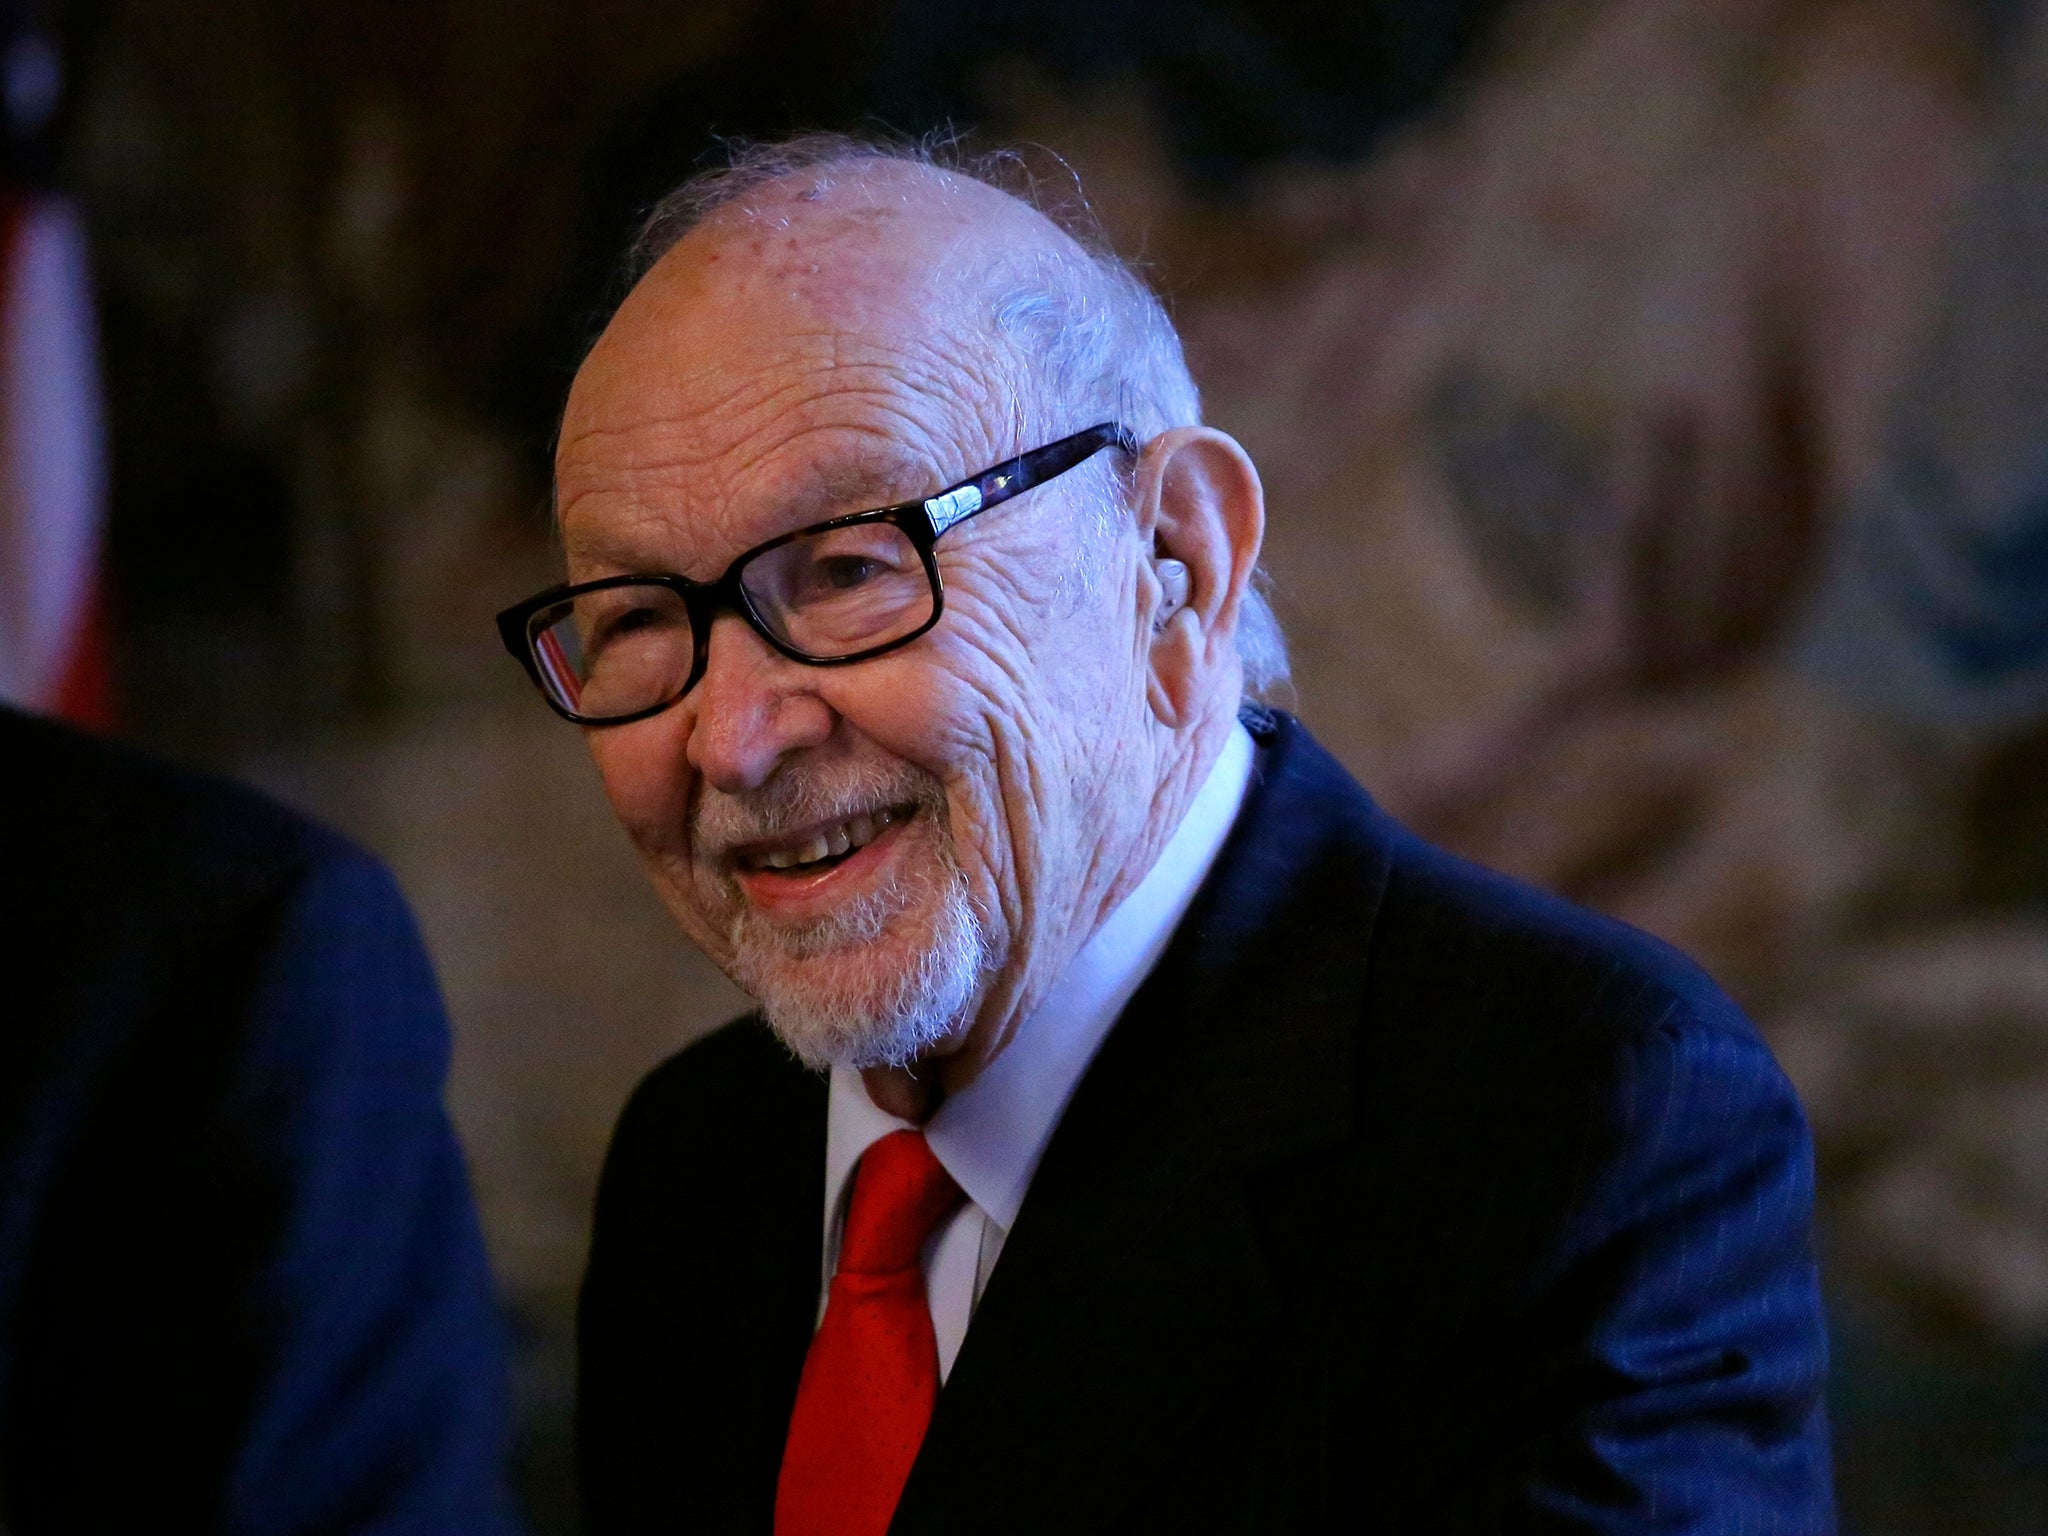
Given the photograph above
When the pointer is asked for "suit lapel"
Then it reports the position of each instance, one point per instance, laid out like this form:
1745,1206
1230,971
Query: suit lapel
701,1289
1133,1287
752,1321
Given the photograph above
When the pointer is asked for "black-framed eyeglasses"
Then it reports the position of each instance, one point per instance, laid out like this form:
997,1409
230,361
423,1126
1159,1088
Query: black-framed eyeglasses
624,647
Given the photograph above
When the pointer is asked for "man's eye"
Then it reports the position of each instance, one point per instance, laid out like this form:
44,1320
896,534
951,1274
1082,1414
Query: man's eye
630,620
612,628
840,573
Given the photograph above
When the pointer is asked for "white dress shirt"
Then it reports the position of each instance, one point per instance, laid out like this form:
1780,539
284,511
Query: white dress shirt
991,1134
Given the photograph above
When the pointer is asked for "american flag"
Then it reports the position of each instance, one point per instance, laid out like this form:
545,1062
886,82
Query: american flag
53,643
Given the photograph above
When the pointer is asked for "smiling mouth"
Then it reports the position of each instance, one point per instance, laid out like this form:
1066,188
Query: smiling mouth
821,848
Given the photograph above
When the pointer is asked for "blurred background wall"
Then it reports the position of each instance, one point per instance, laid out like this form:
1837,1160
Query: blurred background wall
1653,402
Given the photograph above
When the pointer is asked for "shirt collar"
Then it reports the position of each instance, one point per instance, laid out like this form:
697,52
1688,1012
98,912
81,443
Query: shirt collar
991,1134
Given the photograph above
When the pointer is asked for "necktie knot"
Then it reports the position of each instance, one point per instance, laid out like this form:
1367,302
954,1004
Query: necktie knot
901,1193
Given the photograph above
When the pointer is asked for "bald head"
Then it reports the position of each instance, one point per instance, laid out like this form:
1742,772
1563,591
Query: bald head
880,263
1095,336
930,232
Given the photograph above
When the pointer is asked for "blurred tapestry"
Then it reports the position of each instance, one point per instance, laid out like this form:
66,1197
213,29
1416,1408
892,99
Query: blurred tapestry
1691,388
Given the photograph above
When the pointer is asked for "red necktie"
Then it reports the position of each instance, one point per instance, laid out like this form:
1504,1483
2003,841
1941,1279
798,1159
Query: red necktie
872,1374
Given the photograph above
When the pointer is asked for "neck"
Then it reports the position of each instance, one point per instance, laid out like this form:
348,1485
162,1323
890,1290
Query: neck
1184,761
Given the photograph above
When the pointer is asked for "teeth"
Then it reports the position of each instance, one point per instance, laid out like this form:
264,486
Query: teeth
833,843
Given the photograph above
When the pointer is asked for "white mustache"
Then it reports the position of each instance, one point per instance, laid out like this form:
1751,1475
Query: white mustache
793,800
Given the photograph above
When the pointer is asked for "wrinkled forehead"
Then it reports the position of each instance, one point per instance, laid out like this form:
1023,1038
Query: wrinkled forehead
816,349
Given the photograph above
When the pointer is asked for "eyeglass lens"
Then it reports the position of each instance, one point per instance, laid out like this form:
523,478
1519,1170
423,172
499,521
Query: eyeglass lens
825,595
614,652
840,591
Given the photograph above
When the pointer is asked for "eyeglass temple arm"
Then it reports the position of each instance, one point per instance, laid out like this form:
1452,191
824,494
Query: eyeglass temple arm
952,507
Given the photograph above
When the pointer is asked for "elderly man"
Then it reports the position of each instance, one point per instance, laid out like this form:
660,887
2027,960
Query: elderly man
1234,1160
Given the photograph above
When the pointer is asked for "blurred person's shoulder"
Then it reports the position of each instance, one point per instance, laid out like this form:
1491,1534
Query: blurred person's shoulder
142,884
222,1069
91,816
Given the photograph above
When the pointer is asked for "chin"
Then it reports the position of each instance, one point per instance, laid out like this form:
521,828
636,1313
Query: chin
872,986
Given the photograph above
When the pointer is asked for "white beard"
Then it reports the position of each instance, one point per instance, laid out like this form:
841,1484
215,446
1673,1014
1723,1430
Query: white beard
884,1020
828,1006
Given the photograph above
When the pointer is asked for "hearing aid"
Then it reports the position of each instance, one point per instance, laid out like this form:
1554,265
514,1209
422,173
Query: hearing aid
1173,591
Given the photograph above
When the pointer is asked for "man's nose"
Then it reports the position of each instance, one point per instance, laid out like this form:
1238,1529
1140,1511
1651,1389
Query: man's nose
752,707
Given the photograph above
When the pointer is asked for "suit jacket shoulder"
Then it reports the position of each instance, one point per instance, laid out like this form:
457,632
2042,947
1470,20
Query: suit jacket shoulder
80,800
1609,1261
1533,953
1571,1052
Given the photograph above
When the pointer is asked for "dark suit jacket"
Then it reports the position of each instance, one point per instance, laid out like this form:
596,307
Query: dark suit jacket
241,1283
1402,1198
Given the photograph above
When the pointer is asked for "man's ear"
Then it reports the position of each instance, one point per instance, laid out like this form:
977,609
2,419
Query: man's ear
1201,509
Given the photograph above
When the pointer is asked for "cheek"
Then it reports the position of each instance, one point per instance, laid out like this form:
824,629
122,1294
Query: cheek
649,782
948,708
916,705
972,706
646,778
